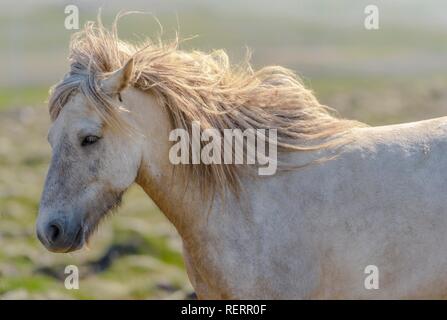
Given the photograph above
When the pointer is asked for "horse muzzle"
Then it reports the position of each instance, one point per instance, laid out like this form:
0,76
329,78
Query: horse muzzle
58,236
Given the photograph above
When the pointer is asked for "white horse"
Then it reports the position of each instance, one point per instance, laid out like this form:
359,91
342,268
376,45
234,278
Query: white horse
375,198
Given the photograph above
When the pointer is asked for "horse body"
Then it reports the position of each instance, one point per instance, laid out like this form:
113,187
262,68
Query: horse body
310,233
376,199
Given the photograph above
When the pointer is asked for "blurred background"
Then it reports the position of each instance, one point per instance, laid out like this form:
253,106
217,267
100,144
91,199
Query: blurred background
395,74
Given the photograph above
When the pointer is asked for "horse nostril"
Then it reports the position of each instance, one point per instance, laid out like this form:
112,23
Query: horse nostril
54,232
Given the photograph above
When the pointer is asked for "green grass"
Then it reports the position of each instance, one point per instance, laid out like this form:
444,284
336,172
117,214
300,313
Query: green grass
29,96
30,283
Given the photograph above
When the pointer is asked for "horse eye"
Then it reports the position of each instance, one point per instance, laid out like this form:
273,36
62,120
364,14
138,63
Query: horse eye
88,140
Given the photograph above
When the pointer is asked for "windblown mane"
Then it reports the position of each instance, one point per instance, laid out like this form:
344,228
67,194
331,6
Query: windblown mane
204,87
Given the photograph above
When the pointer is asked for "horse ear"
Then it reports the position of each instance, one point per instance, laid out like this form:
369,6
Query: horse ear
119,79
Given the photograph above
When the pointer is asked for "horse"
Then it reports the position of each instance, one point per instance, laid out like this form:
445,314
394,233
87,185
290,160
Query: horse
346,196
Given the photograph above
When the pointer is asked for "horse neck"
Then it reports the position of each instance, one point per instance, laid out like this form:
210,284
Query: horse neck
183,207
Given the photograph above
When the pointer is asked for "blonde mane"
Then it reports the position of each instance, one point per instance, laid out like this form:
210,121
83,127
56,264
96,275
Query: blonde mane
204,87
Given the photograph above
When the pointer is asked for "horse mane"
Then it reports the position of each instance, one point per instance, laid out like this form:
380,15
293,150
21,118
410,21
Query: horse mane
204,87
